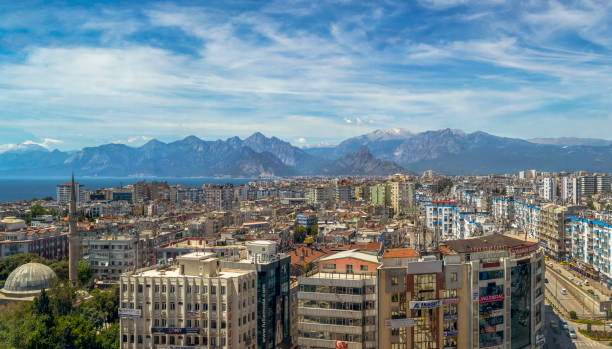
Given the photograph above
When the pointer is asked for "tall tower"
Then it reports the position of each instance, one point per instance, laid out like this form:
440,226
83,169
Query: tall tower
73,238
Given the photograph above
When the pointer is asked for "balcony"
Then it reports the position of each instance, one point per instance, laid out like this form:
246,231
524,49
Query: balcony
308,326
324,343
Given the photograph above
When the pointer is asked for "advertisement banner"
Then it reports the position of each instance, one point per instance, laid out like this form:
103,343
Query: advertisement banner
491,265
399,323
491,298
425,304
341,345
126,312
523,250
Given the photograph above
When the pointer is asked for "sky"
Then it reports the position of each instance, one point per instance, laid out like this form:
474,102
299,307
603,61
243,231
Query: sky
75,74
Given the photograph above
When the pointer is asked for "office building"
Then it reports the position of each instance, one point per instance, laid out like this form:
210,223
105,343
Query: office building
195,303
272,272
484,292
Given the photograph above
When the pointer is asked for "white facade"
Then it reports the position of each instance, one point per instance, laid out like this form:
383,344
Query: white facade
63,193
591,243
549,189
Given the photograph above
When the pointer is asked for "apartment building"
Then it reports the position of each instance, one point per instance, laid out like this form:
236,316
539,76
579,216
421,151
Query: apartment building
551,232
319,195
439,216
62,192
195,303
110,256
591,246
549,189
337,305
402,196
484,292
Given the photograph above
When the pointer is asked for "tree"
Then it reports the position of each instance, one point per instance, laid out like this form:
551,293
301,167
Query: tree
590,205
85,272
73,332
109,337
299,235
63,296
313,230
573,315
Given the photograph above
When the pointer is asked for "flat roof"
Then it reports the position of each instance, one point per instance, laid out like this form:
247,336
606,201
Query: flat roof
356,254
491,242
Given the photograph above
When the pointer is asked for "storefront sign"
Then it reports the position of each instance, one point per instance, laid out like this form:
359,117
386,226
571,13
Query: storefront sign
125,312
491,265
450,301
491,298
425,304
399,323
175,330
523,250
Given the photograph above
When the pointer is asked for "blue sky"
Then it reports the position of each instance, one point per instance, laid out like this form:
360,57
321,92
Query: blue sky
81,74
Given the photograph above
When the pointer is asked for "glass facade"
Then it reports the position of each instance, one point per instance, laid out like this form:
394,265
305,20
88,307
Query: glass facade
273,305
425,336
520,305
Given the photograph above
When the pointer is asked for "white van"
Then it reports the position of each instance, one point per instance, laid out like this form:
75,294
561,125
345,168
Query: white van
563,291
586,282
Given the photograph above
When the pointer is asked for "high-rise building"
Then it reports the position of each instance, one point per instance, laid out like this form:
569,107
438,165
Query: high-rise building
62,192
380,194
337,305
272,270
196,303
475,293
551,232
549,189
319,195
402,196
218,197
602,184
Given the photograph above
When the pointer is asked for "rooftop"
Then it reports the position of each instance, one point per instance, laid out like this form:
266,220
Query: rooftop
401,253
489,242
356,254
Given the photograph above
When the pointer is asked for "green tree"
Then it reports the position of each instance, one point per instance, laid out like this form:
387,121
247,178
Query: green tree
313,230
85,272
573,315
63,296
73,332
109,337
590,205
299,235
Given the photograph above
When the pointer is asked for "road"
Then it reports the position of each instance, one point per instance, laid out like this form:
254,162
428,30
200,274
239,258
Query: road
557,338
569,302
577,298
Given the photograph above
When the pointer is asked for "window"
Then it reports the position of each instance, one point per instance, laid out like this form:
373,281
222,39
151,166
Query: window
163,288
454,277
329,266
223,307
213,289
163,305
363,267
204,289
394,280
172,289
222,289
156,306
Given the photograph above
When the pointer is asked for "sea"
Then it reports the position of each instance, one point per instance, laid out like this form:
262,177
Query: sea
27,188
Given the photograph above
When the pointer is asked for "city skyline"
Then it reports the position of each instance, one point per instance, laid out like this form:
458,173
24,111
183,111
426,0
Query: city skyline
84,75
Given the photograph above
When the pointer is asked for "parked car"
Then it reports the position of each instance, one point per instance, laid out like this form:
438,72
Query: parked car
578,283
545,280
571,277
563,291
572,332
563,324
586,283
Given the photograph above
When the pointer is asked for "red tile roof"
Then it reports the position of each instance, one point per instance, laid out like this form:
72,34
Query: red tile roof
400,253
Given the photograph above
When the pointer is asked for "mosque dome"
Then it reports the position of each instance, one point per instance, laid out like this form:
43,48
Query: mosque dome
28,279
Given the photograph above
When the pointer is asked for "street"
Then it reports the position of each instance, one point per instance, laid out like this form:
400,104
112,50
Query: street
568,302
557,337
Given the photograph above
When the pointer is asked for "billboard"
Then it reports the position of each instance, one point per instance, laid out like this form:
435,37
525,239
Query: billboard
399,323
491,298
425,304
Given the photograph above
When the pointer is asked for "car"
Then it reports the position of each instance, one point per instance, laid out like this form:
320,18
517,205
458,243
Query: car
563,291
545,280
586,282
563,324
578,283
571,277
596,296
550,264
572,332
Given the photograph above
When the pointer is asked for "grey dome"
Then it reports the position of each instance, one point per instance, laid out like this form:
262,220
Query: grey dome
29,277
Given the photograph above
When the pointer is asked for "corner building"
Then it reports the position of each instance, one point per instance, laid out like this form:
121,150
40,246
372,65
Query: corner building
193,304
485,292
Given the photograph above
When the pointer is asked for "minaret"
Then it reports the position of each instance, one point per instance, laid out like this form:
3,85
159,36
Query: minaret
73,238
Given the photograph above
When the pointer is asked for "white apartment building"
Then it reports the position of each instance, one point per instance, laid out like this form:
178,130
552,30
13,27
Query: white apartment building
111,256
62,192
527,218
549,189
571,190
192,304
439,216
591,244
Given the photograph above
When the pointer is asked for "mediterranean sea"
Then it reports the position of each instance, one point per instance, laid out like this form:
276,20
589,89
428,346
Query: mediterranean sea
27,188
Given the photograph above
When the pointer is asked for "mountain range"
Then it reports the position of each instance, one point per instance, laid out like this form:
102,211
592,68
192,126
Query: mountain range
378,153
